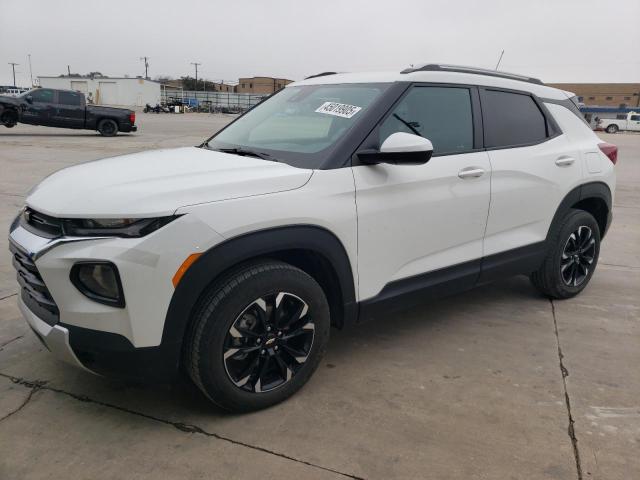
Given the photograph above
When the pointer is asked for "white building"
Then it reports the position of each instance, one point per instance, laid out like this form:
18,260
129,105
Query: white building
125,92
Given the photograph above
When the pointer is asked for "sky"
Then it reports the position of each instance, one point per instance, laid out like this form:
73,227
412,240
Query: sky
557,41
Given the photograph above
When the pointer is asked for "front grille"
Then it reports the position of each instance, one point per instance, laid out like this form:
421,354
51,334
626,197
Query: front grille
33,290
41,224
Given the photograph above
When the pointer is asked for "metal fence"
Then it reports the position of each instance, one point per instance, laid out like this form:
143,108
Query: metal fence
217,100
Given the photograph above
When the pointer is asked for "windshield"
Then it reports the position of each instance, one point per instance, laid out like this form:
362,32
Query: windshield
299,125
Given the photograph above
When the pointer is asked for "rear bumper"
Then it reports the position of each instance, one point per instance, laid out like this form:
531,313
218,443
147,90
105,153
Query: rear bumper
129,128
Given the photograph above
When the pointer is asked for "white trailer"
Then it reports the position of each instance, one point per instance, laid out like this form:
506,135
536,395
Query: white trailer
122,92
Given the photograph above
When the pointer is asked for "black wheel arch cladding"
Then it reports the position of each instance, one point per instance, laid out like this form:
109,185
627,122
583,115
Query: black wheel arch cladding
594,198
269,243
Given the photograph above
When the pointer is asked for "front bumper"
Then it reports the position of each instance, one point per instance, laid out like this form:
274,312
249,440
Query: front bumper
118,342
55,338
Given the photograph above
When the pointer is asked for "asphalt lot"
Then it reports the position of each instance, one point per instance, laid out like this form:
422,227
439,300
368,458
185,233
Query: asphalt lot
469,387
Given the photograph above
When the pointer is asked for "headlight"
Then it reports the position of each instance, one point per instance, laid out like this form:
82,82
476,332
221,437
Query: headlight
99,281
114,227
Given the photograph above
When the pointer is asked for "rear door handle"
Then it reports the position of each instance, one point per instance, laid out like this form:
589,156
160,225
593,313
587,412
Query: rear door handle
471,172
564,161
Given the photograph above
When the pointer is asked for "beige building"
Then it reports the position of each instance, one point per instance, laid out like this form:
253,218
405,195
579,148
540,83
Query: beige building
261,85
625,95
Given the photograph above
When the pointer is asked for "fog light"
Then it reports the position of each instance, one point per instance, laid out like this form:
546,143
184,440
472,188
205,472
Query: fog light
98,281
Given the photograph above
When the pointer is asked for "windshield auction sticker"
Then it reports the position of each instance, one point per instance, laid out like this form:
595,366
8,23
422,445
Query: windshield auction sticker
338,109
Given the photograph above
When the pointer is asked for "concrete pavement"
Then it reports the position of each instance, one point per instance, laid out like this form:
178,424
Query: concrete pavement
495,383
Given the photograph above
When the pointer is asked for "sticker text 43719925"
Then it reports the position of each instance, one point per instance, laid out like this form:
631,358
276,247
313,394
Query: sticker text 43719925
338,109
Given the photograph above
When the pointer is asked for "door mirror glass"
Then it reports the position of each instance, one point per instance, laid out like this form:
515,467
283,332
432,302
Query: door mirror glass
400,148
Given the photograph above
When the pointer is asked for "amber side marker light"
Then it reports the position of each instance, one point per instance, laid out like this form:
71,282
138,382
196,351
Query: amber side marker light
183,268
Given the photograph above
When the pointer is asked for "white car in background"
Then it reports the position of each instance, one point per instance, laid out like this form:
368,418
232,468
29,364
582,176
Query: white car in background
610,125
341,198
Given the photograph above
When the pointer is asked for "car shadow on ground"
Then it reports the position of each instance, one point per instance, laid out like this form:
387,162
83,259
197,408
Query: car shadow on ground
438,320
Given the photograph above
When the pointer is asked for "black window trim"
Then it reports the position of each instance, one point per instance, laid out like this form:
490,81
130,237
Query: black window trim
476,118
551,126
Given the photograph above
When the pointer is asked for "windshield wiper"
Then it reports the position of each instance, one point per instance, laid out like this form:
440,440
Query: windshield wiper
409,125
245,153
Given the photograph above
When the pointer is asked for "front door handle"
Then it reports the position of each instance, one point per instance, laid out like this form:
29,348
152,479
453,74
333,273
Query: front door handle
564,161
471,172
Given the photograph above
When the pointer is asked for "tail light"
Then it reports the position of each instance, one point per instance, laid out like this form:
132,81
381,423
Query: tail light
132,118
610,151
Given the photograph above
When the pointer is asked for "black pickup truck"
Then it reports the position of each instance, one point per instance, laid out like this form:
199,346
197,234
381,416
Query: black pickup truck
64,109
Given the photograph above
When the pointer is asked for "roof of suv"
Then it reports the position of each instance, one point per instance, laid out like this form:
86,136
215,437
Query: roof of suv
436,73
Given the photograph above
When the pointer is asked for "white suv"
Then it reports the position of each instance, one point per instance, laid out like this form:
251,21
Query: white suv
341,198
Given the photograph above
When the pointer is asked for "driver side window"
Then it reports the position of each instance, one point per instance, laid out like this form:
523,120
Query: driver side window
42,96
441,114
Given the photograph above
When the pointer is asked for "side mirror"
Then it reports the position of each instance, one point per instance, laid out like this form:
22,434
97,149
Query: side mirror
400,149
29,99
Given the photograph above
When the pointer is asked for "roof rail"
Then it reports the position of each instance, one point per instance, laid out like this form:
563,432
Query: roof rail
323,74
434,67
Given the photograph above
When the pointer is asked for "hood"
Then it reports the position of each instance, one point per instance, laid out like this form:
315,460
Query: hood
157,182
9,100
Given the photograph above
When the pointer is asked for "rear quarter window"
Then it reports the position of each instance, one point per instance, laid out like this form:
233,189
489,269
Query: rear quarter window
511,119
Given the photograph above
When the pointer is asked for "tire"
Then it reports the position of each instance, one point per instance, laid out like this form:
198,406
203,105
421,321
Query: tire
572,257
613,128
9,118
230,355
108,127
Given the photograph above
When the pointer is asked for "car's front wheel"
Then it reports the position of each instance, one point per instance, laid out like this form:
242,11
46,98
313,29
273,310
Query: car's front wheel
9,118
258,336
572,256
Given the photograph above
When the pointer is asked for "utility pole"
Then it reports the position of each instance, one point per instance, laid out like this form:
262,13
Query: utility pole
146,67
196,65
13,66
68,70
499,60
30,72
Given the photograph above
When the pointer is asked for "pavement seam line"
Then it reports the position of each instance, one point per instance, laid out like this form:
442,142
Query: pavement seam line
10,341
8,296
632,267
33,389
183,427
565,373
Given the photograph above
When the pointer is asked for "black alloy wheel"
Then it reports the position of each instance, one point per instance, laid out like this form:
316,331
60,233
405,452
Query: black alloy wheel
577,256
269,342
257,335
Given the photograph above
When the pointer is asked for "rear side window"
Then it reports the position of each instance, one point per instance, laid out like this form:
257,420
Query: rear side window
42,96
69,98
511,119
441,114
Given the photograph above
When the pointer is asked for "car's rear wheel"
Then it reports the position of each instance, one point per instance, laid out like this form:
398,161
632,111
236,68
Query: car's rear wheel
572,257
612,128
108,127
258,336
